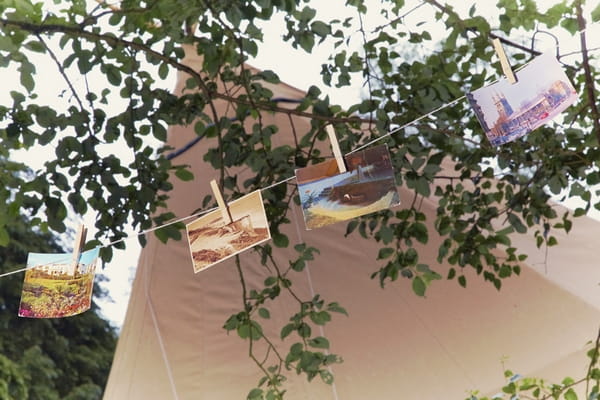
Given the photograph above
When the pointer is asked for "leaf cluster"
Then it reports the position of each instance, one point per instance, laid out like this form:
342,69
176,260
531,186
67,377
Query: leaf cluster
483,196
65,358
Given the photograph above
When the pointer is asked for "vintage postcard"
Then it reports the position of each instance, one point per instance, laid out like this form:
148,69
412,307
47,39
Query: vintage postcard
367,186
213,239
508,111
58,286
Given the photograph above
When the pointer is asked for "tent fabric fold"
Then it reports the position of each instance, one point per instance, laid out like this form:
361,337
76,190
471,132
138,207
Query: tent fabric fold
394,344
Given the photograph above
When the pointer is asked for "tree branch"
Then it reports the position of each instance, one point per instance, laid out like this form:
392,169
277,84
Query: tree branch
62,72
492,35
589,80
77,31
593,361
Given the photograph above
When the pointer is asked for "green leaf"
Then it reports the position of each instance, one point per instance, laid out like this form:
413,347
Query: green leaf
270,281
319,342
269,76
286,330
307,41
596,13
307,14
335,307
419,231
27,81
78,202
184,174
320,28
385,253
163,71
351,226
304,330
505,271
162,235
570,394
296,349
234,15
159,132
231,323
255,394
263,312
280,239
570,24
320,317
326,376
516,223
451,273
418,286
250,329
36,46
422,186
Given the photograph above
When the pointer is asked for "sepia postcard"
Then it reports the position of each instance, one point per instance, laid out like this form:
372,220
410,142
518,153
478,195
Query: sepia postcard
213,239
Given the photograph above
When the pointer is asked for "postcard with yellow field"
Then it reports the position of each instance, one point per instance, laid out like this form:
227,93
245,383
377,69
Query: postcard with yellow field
367,186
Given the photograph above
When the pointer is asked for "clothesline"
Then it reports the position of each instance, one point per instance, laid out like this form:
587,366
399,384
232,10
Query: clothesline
391,132
200,213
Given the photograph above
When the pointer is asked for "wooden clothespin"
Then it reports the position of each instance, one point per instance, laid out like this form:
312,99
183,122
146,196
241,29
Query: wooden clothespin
221,202
337,153
78,247
508,72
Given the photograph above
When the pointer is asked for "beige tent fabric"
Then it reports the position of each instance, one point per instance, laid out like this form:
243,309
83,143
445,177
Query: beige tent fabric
394,344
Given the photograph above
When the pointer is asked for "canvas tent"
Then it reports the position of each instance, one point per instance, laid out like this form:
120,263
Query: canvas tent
395,345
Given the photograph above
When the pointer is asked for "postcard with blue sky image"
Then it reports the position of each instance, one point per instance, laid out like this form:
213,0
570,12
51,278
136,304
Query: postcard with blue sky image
56,286
508,111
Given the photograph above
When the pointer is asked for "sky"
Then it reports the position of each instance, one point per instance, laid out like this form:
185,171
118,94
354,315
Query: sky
294,67
60,258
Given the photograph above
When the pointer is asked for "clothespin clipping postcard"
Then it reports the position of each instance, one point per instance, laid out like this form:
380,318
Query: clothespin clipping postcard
337,153
79,243
221,202
506,69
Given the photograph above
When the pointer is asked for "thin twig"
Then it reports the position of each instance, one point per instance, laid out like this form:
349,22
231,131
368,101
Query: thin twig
114,41
589,80
367,66
62,72
593,361
400,18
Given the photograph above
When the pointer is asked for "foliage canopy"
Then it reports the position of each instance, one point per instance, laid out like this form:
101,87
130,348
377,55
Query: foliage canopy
406,73
46,359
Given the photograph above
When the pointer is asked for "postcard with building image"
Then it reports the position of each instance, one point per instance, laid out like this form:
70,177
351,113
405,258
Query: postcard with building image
367,186
212,238
57,286
508,111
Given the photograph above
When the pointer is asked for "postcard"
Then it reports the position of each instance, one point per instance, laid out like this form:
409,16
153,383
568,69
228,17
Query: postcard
508,111
213,239
57,286
367,186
